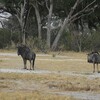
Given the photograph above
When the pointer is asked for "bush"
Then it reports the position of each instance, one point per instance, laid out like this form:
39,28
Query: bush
6,38
36,44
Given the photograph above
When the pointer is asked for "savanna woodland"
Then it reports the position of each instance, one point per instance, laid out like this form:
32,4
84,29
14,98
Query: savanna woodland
50,24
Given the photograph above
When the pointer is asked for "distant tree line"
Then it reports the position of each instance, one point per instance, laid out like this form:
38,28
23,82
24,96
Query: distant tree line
51,24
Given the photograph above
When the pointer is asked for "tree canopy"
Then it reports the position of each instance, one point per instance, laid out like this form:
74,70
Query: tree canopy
53,24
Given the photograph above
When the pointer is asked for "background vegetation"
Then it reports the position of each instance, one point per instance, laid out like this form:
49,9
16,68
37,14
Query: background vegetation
42,25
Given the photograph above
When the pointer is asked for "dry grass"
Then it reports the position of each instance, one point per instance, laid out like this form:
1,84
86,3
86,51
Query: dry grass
47,82
28,87
34,95
15,86
71,62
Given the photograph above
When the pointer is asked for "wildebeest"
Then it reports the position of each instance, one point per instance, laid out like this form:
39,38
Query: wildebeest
94,58
26,54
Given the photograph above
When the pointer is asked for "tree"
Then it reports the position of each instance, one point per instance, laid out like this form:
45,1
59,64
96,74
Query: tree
20,10
89,8
22,15
50,11
58,15
35,4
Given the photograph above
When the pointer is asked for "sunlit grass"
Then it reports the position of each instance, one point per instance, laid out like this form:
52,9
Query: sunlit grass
18,86
67,61
1,60
34,95
50,81
7,50
15,86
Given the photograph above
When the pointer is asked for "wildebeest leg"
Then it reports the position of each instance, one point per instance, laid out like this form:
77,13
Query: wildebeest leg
24,60
97,68
33,61
30,65
33,64
93,67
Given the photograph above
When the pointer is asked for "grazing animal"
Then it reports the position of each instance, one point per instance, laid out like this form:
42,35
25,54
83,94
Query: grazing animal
94,58
26,54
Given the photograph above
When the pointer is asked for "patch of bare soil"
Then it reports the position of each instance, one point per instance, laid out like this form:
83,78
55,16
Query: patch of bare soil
59,87
79,84
81,95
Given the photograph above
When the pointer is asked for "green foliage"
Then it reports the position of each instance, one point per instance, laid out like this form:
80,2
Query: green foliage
61,10
65,42
15,37
6,38
36,44
2,1
95,40
86,42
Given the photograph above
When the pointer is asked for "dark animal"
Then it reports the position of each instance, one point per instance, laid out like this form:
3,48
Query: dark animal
94,58
26,54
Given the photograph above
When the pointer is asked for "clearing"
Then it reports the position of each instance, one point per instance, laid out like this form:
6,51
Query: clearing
67,76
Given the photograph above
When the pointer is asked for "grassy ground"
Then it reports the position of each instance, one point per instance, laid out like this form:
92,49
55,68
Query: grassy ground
34,95
14,86
70,62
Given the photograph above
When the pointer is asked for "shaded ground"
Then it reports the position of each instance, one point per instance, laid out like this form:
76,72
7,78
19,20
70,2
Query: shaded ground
76,81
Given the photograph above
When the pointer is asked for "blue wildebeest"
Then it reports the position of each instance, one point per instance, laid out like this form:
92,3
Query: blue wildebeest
94,58
26,54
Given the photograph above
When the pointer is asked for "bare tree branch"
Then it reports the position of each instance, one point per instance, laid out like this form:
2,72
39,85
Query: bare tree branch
72,17
4,17
46,1
73,8
79,17
87,10
2,24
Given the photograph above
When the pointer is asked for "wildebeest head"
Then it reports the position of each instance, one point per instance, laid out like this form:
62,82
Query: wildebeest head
21,49
89,57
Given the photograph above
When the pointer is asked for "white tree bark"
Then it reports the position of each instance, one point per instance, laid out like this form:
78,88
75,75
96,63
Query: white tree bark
50,10
21,16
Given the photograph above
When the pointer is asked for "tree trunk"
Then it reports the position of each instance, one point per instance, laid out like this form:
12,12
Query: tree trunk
22,18
55,43
65,23
23,37
38,21
50,9
48,36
